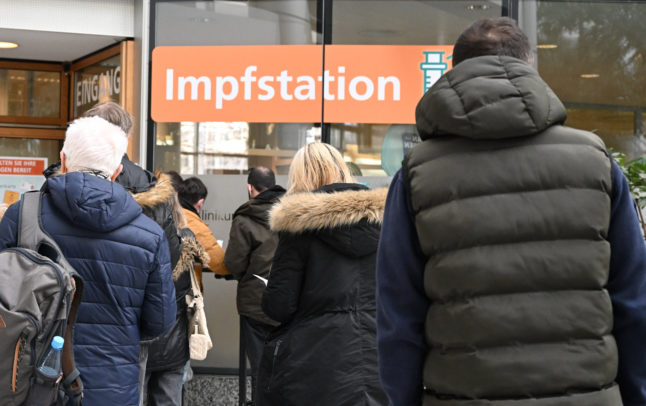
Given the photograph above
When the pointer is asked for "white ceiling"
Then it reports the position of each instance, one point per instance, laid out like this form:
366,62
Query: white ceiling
52,46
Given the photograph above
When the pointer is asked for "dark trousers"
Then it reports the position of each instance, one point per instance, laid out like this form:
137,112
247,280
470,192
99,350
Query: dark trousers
254,333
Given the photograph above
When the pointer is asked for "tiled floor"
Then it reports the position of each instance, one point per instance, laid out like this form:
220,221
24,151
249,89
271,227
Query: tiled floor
212,390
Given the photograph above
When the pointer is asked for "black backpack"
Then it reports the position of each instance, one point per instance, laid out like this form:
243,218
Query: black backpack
39,297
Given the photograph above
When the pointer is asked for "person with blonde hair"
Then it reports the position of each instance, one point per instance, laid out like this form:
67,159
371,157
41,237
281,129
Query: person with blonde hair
322,288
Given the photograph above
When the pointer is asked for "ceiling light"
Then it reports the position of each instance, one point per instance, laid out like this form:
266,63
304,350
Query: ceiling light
477,7
8,45
547,46
589,75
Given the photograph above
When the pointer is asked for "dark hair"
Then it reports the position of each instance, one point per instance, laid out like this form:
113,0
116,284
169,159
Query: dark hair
113,113
176,180
261,178
193,190
492,36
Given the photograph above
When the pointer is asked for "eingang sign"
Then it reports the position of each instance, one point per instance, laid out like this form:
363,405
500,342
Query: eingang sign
284,83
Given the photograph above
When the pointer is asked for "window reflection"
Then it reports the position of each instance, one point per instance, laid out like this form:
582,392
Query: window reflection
29,93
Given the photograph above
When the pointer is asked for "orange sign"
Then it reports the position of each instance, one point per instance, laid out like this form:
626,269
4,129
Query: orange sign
22,166
285,83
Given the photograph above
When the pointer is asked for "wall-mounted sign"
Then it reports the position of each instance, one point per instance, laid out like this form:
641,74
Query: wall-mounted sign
96,83
285,83
19,175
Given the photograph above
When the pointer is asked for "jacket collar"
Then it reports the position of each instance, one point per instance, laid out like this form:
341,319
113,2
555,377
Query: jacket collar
302,212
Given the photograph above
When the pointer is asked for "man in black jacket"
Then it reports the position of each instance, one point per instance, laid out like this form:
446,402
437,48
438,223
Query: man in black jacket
249,254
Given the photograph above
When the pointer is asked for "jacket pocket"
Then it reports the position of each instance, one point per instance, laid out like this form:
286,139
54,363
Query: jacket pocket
17,347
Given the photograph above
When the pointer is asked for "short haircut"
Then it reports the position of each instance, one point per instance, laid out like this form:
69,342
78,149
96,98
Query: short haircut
93,144
261,178
193,189
113,113
315,165
492,36
176,180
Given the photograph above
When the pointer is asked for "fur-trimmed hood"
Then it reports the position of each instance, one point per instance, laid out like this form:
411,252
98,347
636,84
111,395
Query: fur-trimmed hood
192,253
302,212
159,194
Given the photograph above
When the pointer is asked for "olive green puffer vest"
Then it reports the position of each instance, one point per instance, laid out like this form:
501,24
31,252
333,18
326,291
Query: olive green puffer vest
512,212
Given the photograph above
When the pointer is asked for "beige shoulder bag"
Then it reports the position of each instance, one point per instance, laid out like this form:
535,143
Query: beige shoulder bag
199,341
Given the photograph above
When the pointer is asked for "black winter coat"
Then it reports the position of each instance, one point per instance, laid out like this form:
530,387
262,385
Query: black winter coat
154,196
170,350
250,251
322,288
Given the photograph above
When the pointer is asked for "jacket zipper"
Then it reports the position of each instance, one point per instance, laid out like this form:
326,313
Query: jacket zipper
273,363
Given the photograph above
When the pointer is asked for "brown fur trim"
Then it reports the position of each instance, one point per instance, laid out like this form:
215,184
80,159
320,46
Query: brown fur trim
158,194
314,211
192,252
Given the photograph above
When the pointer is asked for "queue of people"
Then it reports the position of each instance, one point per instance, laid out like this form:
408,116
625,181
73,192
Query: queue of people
504,266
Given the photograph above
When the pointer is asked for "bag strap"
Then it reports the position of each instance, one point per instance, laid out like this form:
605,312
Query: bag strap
195,287
30,232
32,236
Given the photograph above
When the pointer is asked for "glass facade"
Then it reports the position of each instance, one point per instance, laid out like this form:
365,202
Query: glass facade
590,52
232,147
29,93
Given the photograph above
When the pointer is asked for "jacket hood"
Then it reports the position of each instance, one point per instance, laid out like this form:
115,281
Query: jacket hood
134,178
159,193
257,208
91,202
488,97
348,220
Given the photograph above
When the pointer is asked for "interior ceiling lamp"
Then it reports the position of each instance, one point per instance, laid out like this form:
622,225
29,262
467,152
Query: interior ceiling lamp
8,45
547,46
589,75
477,7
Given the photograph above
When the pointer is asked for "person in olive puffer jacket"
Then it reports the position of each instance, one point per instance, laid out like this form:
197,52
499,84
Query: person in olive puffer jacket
511,262
322,288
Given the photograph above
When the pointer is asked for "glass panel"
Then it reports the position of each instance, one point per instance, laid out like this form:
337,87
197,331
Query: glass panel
378,149
97,83
592,55
216,150
29,93
229,148
31,147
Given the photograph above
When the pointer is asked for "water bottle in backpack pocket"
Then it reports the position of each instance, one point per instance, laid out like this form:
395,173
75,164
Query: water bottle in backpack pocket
47,376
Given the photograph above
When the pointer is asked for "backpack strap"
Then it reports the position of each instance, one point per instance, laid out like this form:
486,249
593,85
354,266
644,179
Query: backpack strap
32,236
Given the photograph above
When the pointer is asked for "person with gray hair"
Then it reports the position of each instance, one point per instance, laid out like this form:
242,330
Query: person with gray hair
511,263
121,254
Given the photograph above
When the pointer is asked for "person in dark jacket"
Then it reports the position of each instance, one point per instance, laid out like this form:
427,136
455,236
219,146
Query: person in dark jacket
250,251
168,354
121,254
511,264
322,288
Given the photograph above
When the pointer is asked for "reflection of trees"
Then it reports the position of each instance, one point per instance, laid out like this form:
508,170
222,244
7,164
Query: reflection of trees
603,38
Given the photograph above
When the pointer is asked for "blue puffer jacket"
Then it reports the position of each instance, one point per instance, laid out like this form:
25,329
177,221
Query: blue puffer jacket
122,256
